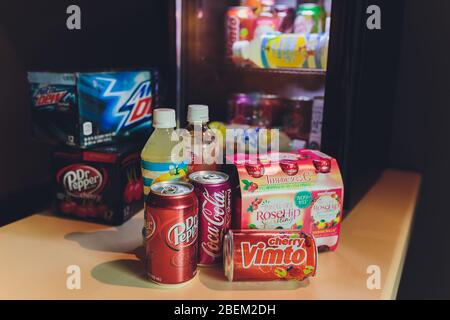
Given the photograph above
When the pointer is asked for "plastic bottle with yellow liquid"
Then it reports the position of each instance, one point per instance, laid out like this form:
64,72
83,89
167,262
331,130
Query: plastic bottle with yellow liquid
156,157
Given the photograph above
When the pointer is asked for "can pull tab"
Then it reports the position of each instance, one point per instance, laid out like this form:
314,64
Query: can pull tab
211,176
169,189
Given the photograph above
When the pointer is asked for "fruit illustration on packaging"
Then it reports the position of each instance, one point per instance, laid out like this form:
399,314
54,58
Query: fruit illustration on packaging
336,221
254,205
294,273
321,225
133,188
68,206
175,173
250,186
308,270
91,210
128,192
82,212
138,189
280,272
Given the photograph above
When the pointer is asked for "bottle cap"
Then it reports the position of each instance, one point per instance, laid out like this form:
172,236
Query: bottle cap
241,49
327,25
164,118
197,113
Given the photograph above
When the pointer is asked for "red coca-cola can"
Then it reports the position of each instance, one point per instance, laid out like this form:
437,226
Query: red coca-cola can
214,193
240,24
171,232
269,255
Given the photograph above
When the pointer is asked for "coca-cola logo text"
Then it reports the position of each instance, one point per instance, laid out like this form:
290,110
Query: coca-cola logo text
216,213
183,234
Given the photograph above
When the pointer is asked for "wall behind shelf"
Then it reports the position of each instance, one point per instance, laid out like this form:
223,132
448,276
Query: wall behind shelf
33,36
23,162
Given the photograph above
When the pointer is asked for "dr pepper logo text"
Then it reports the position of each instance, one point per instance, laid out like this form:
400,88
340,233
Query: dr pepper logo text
80,179
183,234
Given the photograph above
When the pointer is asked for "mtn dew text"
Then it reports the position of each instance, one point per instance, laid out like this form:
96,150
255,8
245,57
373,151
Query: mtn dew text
90,109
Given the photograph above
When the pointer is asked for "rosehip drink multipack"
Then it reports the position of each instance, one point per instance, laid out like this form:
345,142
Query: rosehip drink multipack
102,184
302,191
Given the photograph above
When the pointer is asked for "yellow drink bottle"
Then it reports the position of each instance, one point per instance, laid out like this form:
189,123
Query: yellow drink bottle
156,157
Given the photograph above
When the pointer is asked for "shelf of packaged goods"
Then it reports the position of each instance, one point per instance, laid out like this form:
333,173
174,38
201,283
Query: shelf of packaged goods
284,82
274,72
36,253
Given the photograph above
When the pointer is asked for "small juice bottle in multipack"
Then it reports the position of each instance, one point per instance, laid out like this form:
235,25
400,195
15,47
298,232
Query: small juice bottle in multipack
156,157
203,141
326,209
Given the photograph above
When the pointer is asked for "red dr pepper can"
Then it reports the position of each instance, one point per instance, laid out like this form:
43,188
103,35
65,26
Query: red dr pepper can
269,255
171,230
214,192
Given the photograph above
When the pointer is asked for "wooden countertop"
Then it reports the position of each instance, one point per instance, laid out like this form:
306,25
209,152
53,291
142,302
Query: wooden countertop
35,253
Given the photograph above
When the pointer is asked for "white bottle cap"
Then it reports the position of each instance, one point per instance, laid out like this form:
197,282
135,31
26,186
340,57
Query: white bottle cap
197,113
241,49
164,118
327,25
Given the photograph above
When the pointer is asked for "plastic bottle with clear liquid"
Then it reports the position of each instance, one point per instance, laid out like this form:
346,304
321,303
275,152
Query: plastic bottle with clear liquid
203,142
156,157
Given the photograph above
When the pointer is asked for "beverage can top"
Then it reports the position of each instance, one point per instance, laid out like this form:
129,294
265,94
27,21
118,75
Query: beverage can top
164,118
267,2
171,188
269,97
300,98
281,7
313,7
208,177
197,113
240,9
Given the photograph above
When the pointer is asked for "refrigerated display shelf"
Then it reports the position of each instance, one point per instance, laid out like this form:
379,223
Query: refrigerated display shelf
271,72
289,82
37,253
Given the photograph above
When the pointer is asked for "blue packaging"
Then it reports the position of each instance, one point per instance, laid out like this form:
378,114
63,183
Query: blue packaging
90,109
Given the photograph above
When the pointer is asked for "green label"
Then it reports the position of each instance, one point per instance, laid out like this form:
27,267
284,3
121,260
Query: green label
303,199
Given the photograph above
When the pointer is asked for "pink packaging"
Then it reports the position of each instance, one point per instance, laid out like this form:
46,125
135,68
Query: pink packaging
301,191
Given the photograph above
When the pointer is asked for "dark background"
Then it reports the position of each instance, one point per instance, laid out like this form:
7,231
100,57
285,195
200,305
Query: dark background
420,132
421,141
33,36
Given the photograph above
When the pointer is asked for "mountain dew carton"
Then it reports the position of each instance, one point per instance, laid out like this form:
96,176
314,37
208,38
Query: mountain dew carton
88,109
302,191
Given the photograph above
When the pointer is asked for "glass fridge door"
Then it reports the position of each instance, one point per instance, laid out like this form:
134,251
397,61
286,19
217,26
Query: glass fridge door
257,63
